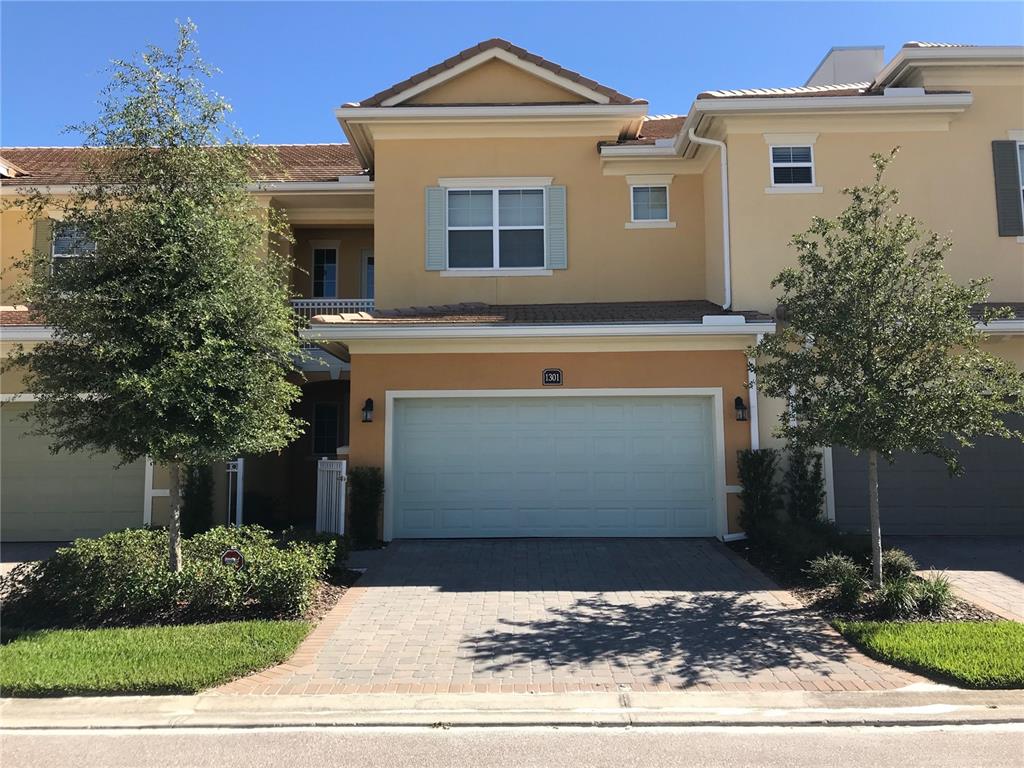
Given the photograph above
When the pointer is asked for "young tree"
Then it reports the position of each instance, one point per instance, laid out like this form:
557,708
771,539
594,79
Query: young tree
172,338
878,350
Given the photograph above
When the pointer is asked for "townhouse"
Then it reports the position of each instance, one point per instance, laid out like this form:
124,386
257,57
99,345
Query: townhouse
531,300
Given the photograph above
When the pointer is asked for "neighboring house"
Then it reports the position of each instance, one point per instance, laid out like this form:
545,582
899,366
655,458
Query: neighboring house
537,299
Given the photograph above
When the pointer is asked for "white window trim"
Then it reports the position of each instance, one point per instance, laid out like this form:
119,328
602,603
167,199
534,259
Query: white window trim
649,223
496,182
315,245
500,272
365,255
496,228
772,165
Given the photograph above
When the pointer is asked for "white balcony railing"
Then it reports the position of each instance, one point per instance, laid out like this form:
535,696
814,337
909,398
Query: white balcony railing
309,308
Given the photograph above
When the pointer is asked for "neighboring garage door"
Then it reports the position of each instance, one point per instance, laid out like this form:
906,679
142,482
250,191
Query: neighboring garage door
918,496
45,497
553,466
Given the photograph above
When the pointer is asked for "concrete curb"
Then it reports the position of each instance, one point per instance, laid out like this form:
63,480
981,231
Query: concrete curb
920,705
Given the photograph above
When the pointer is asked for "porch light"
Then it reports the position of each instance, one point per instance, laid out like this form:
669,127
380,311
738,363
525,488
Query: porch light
741,409
368,410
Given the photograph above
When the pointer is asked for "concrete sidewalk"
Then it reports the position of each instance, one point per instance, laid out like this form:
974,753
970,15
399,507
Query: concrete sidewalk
922,704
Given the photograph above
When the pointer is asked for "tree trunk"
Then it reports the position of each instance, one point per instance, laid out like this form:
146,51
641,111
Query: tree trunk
174,528
876,527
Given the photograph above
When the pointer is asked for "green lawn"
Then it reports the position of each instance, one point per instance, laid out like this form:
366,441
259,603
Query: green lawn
176,659
971,654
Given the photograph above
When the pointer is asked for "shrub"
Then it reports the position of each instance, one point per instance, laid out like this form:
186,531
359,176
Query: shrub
804,484
366,491
122,579
935,595
794,545
342,545
761,498
841,575
897,598
897,564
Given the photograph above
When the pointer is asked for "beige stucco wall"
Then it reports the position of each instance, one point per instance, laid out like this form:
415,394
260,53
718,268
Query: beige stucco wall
607,262
496,82
15,241
945,178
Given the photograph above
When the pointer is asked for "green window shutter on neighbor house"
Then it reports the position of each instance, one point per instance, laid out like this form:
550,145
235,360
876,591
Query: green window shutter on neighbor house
42,237
558,257
435,234
1005,164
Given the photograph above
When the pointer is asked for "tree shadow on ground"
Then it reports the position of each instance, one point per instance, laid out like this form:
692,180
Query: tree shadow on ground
688,639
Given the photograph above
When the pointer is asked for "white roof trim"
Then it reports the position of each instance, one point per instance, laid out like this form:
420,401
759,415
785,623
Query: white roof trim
638,150
981,54
1002,327
928,102
368,114
363,185
26,332
344,331
508,58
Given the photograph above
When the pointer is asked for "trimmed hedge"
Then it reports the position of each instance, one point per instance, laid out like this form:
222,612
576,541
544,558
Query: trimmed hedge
121,579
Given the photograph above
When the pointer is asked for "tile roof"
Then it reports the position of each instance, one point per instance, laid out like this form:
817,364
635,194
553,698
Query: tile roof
545,314
296,162
1015,307
18,315
840,89
613,96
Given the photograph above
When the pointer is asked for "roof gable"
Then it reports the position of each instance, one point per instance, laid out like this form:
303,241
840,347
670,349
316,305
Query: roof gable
583,89
496,81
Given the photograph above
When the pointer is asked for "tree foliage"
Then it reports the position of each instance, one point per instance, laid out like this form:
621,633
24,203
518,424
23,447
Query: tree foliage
878,349
174,338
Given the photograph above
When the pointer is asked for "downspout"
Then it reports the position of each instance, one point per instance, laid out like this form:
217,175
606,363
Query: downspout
726,251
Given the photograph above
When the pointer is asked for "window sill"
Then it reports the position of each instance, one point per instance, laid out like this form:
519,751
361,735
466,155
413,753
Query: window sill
795,189
525,272
650,225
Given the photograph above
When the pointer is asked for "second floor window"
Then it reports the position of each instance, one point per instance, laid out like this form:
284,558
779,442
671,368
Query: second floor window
325,273
792,166
495,228
650,203
70,242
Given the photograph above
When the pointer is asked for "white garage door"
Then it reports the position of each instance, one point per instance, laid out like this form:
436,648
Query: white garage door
553,466
46,497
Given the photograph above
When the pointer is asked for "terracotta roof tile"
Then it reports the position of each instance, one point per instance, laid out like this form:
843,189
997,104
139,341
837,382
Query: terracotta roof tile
296,162
614,96
549,314
18,315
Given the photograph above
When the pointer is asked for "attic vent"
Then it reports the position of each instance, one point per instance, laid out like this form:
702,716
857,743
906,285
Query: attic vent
904,91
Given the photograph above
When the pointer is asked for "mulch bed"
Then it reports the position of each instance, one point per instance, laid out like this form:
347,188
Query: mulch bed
817,600
328,593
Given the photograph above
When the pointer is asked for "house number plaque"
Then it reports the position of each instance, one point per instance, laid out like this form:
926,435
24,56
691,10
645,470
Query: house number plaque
552,377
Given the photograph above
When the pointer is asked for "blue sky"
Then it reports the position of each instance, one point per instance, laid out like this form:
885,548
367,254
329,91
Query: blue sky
286,65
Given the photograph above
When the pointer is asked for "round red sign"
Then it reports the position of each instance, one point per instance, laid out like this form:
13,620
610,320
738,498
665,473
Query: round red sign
232,557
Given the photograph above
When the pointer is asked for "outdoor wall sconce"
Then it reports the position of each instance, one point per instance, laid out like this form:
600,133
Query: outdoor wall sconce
741,409
368,411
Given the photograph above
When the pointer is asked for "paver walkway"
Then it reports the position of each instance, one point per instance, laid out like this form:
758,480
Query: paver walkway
564,615
986,570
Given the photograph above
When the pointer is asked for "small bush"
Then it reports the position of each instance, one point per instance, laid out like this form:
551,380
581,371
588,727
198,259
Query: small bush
804,483
841,576
897,564
366,492
122,579
897,598
935,595
761,498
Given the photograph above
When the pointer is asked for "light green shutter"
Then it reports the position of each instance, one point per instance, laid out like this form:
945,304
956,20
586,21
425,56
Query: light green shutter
42,243
557,248
1009,215
435,236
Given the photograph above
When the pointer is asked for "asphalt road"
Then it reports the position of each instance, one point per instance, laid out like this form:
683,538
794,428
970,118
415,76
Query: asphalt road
984,746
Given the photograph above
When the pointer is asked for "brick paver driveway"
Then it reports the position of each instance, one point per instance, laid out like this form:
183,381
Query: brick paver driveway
563,615
986,570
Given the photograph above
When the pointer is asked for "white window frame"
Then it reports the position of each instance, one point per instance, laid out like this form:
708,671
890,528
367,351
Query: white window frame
632,204
772,165
496,229
53,248
324,245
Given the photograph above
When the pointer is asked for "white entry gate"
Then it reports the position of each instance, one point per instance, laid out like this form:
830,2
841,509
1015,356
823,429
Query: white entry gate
236,490
331,485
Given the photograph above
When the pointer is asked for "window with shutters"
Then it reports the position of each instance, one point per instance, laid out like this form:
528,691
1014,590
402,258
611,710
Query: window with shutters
496,228
69,242
792,166
1020,174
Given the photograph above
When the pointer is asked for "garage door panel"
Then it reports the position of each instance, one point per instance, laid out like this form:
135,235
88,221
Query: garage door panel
560,466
